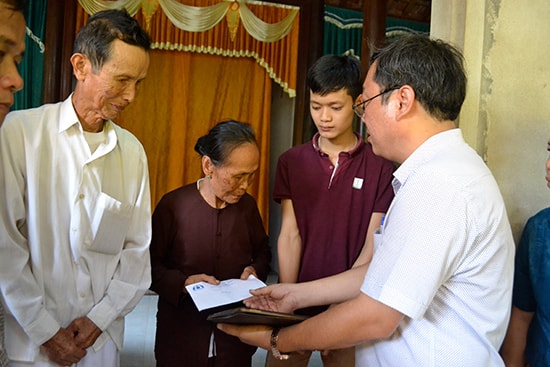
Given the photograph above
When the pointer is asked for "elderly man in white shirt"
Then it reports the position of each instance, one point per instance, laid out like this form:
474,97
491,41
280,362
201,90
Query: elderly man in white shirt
75,208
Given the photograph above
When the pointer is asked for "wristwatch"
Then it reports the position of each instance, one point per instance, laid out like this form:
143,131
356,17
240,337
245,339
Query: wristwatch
273,342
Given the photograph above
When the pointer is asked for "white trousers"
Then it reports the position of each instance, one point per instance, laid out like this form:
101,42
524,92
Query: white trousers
108,356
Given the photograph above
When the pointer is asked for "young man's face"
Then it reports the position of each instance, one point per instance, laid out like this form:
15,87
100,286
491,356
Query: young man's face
12,47
332,114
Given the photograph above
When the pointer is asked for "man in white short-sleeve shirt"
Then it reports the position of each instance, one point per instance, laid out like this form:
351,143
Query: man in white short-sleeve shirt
442,262
437,291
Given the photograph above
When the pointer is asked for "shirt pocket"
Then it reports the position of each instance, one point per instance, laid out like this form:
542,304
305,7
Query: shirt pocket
110,225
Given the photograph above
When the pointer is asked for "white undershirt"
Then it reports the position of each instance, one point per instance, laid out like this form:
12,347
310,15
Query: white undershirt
94,140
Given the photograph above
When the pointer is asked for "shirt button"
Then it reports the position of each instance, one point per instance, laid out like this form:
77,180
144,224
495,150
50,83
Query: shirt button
81,196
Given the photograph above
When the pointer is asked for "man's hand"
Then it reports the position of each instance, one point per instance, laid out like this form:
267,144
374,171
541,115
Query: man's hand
258,335
85,332
62,348
276,297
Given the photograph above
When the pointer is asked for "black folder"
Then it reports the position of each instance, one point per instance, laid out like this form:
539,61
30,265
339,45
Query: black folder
249,316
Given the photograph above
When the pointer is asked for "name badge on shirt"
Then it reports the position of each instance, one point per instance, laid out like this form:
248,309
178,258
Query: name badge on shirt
357,183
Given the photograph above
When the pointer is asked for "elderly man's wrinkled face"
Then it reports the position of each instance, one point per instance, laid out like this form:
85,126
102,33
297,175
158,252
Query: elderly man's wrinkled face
12,48
115,86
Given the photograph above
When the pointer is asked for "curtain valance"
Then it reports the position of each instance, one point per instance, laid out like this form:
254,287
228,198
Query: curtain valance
269,33
343,30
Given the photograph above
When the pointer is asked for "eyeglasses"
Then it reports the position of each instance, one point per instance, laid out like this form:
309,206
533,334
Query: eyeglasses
359,107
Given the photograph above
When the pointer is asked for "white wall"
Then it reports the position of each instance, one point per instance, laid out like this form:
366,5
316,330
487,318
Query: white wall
506,115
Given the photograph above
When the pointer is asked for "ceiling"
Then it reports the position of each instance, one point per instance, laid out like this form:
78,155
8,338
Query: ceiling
412,10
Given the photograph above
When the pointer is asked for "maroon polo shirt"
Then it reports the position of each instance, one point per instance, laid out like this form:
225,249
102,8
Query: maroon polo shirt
332,211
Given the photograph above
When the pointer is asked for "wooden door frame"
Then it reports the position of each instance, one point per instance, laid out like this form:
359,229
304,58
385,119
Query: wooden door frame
58,76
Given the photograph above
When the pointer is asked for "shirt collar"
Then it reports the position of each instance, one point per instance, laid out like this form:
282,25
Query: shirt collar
68,118
351,153
426,151
67,115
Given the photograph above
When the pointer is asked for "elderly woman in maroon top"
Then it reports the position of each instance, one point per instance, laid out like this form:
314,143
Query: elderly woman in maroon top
207,231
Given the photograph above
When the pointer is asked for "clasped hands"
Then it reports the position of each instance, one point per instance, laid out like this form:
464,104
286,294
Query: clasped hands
68,345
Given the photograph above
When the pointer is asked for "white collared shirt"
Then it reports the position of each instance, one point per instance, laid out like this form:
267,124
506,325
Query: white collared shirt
75,227
444,259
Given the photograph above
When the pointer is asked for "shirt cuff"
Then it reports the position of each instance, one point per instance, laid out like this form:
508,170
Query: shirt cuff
102,315
43,328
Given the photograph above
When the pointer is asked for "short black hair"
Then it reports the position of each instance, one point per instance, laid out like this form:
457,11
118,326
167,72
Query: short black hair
433,68
332,73
95,38
16,5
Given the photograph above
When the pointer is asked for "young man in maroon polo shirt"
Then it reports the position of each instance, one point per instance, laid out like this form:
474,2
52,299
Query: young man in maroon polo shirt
333,192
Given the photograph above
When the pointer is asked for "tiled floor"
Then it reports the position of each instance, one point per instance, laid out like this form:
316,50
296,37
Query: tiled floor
139,338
